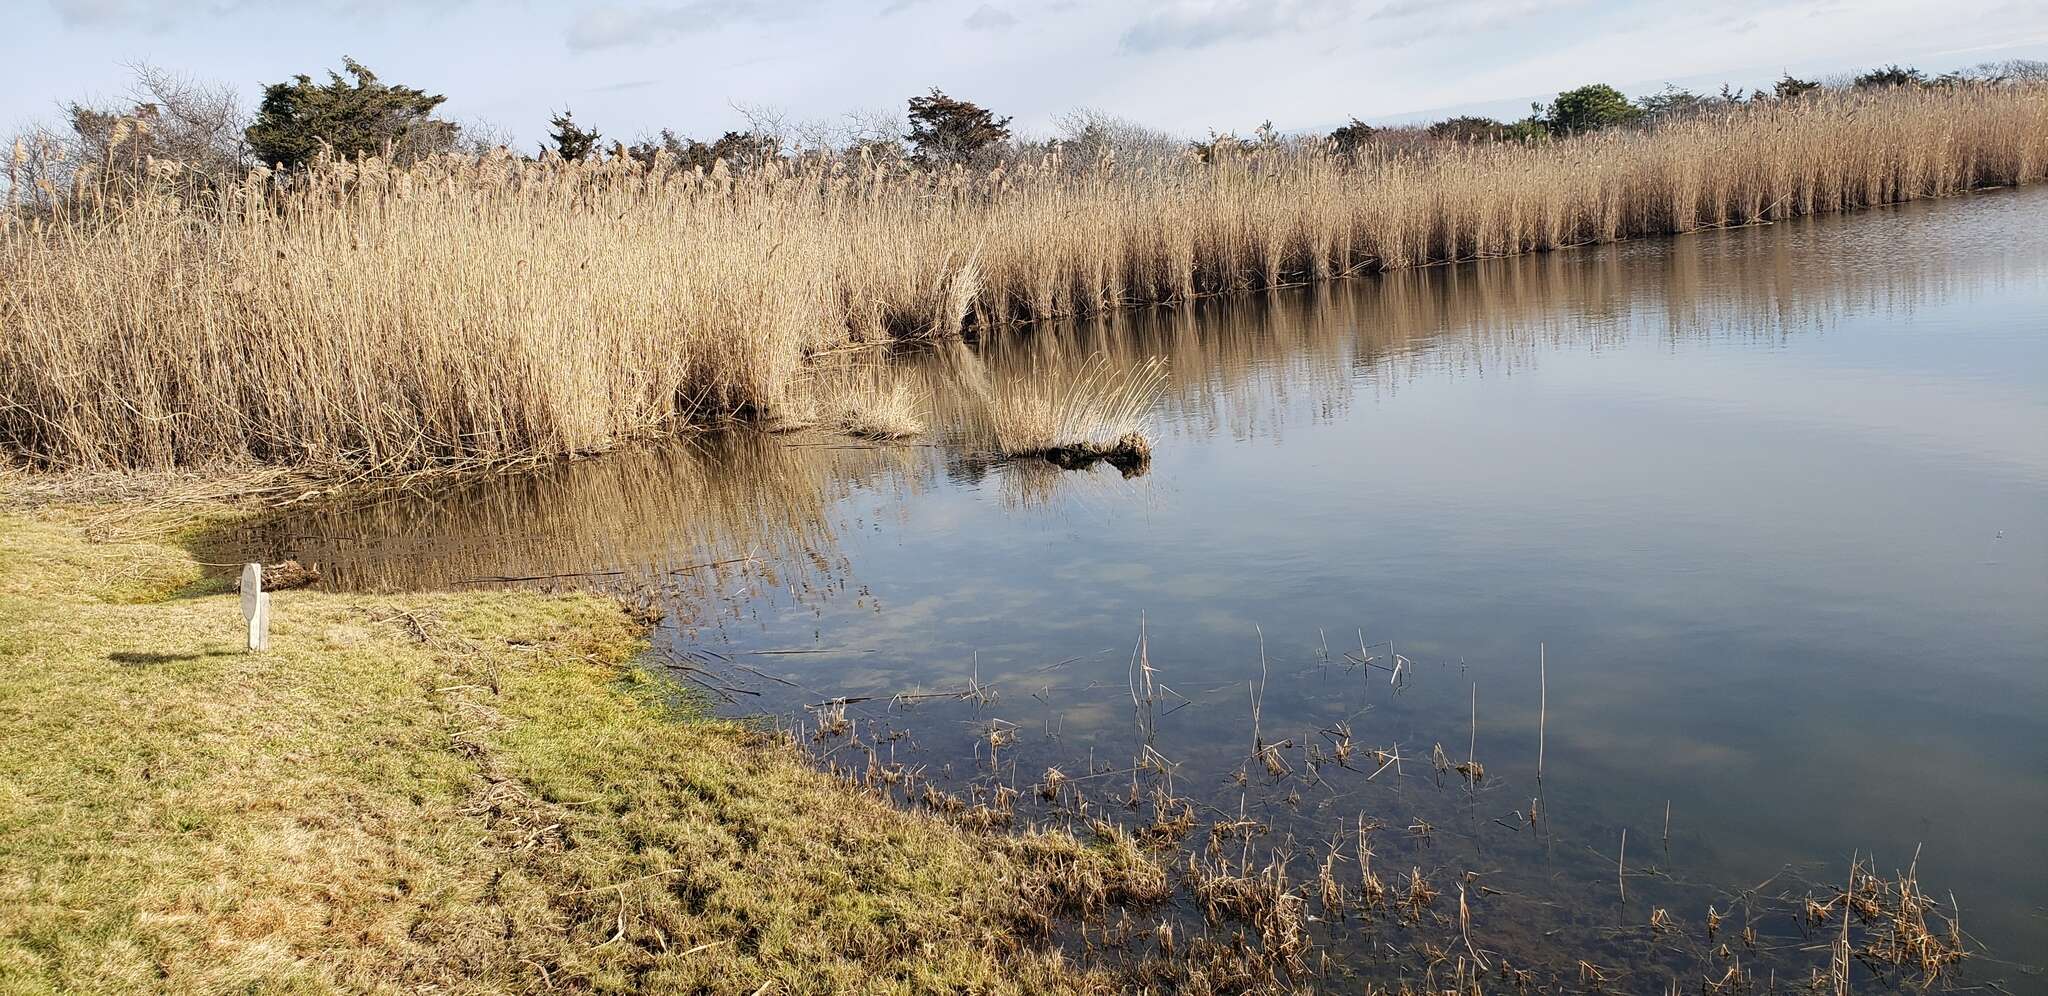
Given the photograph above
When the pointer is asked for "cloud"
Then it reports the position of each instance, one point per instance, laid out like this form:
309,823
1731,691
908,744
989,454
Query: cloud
613,25
143,14
987,18
1406,21
1192,24
88,13
158,16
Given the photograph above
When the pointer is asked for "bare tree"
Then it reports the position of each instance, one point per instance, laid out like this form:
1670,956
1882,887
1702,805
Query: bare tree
480,137
1090,138
167,132
875,135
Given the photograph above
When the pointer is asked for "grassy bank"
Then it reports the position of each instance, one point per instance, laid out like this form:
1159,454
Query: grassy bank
460,793
489,309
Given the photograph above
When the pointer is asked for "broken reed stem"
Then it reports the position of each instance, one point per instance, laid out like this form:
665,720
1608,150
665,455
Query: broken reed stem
1667,824
1472,748
1838,964
1542,704
1364,661
1258,741
1621,866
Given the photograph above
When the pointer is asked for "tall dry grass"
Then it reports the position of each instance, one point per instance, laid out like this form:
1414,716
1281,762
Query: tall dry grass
485,309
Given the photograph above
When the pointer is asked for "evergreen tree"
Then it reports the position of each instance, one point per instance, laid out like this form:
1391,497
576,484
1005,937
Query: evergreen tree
1890,76
571,141
1791,86
946,132
363,117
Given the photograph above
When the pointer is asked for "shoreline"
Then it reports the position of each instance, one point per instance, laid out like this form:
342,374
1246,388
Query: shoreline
478,791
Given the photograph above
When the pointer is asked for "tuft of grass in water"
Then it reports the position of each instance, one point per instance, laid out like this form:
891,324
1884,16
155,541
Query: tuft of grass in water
465,793
875,404
1091,407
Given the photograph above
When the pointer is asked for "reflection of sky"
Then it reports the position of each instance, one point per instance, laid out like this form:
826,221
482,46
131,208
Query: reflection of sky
1792,583
1776,499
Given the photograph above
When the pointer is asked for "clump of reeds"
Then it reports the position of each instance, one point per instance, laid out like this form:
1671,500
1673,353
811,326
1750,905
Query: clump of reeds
1258,897
1049,784
868,403
1092,412
1070,876
1419,894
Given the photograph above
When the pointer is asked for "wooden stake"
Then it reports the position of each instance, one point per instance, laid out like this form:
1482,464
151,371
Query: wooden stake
256,607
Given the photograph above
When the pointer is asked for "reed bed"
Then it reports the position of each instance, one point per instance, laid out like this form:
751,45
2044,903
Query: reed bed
489,309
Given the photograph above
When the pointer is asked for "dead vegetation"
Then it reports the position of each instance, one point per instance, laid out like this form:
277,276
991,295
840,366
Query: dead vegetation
371,316
1247,908
1072,414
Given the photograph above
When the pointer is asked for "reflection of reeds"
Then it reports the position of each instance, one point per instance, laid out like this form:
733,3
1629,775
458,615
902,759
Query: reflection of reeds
1250,366
687,514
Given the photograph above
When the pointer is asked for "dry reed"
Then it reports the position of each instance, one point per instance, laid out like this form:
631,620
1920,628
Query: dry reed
479,309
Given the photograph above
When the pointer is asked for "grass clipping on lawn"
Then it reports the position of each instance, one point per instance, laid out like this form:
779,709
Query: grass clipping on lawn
463,793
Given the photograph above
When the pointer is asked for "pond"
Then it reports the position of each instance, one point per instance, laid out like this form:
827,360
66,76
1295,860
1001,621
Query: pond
1740,538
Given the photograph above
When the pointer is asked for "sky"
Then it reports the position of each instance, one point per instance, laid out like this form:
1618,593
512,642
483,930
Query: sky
633,67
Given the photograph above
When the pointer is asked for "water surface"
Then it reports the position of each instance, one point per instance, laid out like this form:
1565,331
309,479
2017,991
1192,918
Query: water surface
1774,501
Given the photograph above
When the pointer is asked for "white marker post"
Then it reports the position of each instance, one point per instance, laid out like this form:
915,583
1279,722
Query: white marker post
256,607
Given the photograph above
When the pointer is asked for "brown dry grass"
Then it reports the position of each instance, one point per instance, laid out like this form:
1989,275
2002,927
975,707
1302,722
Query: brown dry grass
869,401
453,793
493,309
1089,403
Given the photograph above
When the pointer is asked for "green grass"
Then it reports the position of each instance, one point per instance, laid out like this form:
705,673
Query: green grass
465,793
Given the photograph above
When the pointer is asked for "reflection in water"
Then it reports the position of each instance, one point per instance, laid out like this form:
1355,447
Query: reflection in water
1244,367
1770,495
702,512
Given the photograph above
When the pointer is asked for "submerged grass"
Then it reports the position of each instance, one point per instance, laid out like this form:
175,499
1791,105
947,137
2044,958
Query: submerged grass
495,309
462,793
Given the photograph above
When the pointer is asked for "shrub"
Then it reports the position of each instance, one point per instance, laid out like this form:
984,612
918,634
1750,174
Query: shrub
1469,128
1791,86
1890,76
1352,137
740,151
1590,108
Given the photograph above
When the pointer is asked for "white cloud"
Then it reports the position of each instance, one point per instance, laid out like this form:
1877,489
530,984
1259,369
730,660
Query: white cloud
989,18
613,25
1190,24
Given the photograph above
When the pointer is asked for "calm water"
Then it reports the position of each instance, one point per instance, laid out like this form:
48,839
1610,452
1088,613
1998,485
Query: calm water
1775,501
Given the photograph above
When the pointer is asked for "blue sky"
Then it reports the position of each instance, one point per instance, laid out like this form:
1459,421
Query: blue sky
630,68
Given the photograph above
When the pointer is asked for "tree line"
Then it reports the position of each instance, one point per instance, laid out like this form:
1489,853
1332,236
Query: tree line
354,113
